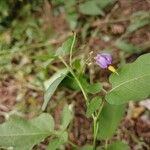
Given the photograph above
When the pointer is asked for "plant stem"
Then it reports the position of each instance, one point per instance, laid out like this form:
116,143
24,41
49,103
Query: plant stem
100,109
77,80
96,125
94,116
95,132
73,42
106,143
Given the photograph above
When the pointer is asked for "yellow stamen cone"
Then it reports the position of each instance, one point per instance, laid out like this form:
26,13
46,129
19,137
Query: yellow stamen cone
112,69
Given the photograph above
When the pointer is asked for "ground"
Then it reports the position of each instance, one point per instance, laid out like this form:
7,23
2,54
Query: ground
20,96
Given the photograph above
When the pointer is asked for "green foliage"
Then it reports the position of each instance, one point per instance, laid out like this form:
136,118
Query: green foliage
104,3
133,80
54,144
70,82
118,146
94,7
67,116
65,48
26,34
62,135
22,134
79,66
94,88
126,47
90,88
85,7
71,13
4,10
52,84
90,8
29,27
109,120
138,20
21,31
93,105
86,147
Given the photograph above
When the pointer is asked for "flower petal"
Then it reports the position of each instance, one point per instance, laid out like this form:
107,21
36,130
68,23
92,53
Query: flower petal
103,60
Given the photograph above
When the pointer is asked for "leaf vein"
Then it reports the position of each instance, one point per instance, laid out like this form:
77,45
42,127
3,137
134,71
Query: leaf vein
131,80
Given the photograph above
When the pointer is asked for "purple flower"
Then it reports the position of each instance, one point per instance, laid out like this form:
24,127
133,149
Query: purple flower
103,60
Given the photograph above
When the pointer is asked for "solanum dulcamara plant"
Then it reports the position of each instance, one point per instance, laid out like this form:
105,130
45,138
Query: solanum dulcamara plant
130,82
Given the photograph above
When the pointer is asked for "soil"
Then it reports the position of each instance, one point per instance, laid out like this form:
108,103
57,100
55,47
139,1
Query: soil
134,130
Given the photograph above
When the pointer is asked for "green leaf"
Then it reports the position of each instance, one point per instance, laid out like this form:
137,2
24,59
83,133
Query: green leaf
70,82
118,146
137,24
93,106
100,148
72,19
63,135
52,84
65,48
22,134
43,57
90,8
109,120
71,14
67,116
90,88
94,88
69,4
132,82
79,65
104,3
126,47
56,143
138,20
86,147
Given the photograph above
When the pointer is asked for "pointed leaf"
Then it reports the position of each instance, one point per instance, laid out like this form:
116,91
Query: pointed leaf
65,48
93,106
132,82
52,84
22,134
